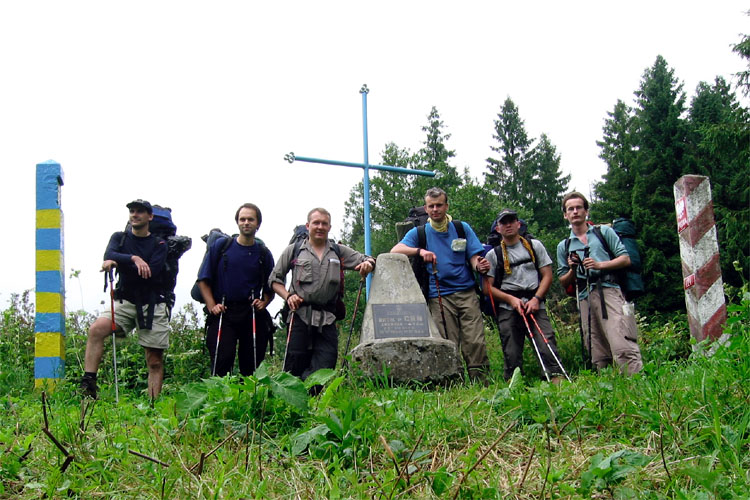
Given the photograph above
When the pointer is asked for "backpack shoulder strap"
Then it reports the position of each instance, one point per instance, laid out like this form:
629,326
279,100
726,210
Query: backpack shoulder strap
296,250
598,233
421,237
224,249
336,248
263,251
459,229
123,235
227,243
499,268
532,254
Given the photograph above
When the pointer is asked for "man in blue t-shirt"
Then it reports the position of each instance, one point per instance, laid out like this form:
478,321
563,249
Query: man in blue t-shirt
455,259
233,282
611,330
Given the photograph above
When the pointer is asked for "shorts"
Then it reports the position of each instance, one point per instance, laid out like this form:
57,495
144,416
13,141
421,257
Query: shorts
126,320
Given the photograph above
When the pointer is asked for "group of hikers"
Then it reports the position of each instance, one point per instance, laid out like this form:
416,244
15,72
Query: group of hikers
239,278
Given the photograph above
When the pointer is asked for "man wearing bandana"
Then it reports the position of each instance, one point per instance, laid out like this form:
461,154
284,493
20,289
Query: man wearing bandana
520,276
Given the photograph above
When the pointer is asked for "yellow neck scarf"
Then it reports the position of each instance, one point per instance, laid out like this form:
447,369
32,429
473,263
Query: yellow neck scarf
441,227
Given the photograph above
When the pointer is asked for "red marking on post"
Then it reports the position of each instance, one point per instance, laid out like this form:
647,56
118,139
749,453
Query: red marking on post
714,327
688,282
707,275
701,224
686,270
689,183
682,216
696,329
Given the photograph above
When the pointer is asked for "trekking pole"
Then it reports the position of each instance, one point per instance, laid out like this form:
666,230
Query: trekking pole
580,326
218,339
589,358
114,327
288,338
492,299
440,298
252,312
351,327
549,347
536,348
488,287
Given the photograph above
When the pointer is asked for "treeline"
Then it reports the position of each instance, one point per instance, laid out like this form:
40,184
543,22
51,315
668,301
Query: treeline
646,146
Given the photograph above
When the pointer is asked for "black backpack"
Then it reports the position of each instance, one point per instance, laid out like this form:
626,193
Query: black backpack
163,227
210,238
500,268
629,278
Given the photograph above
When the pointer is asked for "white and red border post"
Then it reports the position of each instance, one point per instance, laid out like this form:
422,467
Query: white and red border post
699,250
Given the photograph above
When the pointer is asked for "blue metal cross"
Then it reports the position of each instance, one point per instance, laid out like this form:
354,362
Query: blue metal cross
290,157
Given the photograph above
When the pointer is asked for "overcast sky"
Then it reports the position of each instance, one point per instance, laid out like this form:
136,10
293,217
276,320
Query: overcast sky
193,105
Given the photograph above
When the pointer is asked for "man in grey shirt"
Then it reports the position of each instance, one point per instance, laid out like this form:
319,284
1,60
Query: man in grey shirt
518,286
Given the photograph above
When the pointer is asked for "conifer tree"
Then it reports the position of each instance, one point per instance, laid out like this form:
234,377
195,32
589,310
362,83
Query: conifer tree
614,194
546,186
435,156
720,130
505,176
661,158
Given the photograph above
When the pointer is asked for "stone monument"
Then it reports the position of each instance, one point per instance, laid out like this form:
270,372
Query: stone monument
399,337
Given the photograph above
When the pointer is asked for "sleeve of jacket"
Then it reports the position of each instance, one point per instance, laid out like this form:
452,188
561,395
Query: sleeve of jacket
350,258
158,257
268,267
113,251
282,267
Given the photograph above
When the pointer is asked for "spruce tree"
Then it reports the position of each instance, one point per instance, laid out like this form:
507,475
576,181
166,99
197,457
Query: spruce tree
720,129
435,156
660,159
506,173
546,186
613,195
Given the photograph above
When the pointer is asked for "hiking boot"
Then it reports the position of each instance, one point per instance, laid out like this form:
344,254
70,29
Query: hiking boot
87,388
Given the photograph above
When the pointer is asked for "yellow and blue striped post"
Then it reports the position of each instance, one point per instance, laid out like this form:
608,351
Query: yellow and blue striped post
49,327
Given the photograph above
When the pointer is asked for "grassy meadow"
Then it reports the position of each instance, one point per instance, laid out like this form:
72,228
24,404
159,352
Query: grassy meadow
679,429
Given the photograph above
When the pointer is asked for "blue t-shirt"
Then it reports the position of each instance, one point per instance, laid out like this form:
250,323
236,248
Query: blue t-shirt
453,269
237,275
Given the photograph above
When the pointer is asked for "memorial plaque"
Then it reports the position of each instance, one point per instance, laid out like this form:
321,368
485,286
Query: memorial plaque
400,320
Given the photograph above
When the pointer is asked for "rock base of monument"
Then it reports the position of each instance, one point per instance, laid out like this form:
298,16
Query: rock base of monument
428,360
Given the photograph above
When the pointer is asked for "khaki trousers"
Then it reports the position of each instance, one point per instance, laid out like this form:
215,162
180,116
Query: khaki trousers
613,339
465,326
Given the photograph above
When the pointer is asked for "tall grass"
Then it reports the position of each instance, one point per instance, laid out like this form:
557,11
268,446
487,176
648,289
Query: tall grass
679,429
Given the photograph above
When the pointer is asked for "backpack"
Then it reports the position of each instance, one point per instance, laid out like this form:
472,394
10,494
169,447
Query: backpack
299,235
494,240
417,216
629,278
500,268
164,228
210,239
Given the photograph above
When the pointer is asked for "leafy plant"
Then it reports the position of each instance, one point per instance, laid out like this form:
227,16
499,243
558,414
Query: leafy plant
604,473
